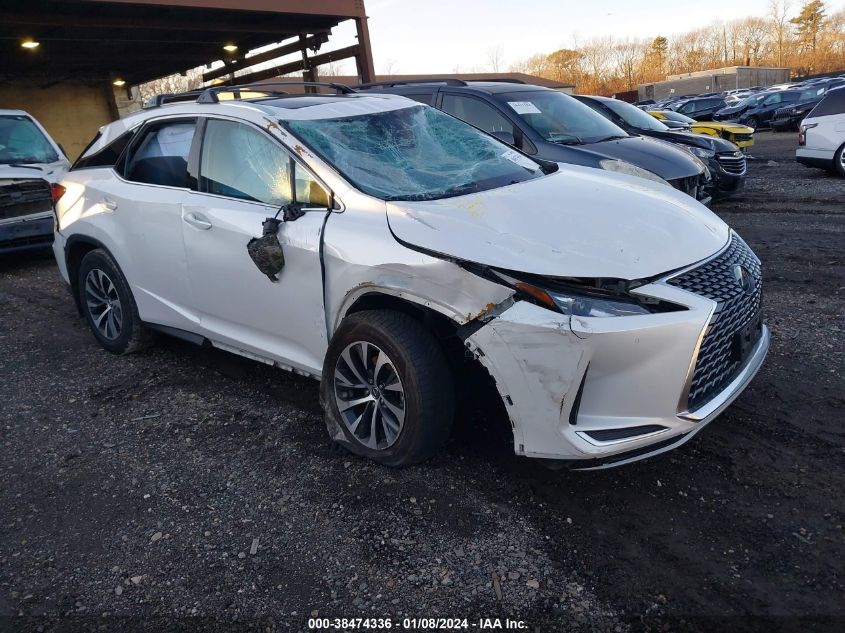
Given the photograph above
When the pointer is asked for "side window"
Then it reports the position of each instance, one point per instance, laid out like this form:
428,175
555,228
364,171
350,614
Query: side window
775,98
160,157
481,115
106,157
309,192
689,106
240,161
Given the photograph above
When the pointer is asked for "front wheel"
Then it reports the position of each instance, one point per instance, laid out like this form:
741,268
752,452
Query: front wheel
752,122
387,388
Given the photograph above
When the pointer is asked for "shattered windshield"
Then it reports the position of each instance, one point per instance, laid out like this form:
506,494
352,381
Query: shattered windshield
22,142
415,153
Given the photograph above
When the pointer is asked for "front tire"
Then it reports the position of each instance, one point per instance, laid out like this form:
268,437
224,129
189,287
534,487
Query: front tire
108,305
752,122
387,388
839,161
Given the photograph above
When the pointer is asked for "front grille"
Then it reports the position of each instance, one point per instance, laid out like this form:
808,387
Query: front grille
733,163
781,113
690,186
24,197
742,137
735,325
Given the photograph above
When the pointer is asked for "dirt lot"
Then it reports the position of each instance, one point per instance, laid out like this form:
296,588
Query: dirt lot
132,489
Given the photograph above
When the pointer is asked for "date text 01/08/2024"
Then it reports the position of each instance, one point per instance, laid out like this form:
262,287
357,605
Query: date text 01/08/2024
416,624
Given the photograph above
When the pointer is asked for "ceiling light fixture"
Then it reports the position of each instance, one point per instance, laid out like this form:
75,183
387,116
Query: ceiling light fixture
119,82
30,44
230,48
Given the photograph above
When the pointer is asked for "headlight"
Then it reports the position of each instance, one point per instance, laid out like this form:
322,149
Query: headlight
574,303
622,167
700,152
584,305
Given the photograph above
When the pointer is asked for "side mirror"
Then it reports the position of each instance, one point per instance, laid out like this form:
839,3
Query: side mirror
505,137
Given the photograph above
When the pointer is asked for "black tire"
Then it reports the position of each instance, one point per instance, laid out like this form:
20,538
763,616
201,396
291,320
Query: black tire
839,161
423,371
131,335
752,122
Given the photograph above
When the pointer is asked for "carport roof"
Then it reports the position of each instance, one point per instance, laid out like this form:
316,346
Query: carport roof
140,40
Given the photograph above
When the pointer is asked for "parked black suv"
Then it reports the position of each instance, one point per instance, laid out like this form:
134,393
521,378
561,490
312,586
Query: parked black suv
760,116
789,117
553,126
700,109
725,160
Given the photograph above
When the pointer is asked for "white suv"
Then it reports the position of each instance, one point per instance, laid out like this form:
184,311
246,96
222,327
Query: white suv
384,247
821,141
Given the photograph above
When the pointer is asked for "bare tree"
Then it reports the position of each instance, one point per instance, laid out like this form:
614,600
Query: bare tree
495,55
779,21
172,84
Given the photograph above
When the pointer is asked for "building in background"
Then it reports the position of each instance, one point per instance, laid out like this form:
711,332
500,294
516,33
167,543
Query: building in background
716,80
71,63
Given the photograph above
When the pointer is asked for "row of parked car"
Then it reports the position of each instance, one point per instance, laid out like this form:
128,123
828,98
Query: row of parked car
598,132
780,107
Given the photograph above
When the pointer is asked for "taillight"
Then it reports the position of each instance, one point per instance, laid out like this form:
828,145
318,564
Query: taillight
56,192
802,133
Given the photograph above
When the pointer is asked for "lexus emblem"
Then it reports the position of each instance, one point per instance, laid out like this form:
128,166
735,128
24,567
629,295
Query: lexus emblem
744,279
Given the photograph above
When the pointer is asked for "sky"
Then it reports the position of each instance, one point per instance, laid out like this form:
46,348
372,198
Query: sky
428,36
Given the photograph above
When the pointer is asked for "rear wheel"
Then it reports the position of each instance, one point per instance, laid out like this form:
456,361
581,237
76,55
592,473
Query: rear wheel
108,305
387,387
839,161
752,121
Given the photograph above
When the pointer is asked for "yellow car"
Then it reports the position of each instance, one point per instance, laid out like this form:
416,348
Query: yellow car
740,135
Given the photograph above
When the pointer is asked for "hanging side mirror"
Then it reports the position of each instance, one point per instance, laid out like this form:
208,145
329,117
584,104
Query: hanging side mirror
266,251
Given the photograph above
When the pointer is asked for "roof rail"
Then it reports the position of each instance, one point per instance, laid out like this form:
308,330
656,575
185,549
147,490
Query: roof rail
502,80
209,95
449,81
169,97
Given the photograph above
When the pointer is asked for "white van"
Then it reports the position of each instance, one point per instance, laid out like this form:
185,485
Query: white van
821,142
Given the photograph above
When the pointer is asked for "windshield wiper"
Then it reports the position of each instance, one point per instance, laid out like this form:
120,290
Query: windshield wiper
24,165
612,138
572,140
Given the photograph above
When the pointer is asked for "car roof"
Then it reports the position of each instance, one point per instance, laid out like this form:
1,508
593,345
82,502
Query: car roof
8,111
488,87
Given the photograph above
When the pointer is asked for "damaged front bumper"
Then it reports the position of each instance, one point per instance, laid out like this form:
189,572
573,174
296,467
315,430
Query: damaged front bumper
601,392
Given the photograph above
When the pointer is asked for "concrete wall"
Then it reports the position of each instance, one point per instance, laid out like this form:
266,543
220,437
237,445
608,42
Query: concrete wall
71,112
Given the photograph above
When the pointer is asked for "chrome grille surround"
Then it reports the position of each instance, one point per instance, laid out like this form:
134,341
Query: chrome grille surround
719,360
732,162
19,198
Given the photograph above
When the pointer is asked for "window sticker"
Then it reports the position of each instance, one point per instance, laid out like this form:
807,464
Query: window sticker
524,107
523,161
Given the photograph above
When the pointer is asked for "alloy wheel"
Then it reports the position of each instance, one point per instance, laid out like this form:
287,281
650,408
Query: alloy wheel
103,303
369,395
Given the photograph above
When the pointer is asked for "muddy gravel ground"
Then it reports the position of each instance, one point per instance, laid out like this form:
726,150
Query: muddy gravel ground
183,488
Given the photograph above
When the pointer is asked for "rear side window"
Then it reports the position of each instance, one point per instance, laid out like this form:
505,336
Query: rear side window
160,157
476,112
106,157
240,161
421,97
833,103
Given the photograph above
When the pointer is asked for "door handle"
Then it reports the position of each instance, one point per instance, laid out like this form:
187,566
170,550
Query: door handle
197,221
109,204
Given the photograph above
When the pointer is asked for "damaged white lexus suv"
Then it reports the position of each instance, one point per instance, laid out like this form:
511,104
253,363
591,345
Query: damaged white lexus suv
384,247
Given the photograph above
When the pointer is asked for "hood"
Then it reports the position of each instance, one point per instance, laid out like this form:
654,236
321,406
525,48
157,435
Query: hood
51,172
654,155
713,143
730,128
576,222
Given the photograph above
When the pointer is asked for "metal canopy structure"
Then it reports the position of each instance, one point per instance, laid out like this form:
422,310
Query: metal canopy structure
141,40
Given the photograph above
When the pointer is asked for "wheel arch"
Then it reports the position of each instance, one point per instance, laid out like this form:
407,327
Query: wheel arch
76,248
